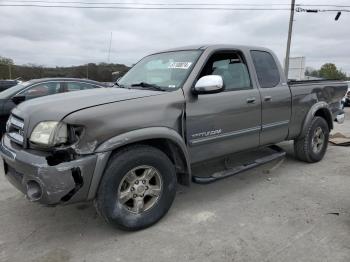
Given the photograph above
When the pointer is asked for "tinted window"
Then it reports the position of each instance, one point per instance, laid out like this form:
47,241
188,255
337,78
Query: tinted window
42,89
13,90
232,68
266,69
75,86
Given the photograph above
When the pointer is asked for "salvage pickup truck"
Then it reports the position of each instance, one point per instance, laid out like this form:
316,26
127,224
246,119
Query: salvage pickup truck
128,147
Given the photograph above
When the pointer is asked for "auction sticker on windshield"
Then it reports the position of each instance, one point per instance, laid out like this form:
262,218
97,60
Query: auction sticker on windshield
180,65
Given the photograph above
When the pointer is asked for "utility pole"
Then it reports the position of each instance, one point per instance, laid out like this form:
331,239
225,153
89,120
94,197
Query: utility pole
10,73
87,71
110,45
290,30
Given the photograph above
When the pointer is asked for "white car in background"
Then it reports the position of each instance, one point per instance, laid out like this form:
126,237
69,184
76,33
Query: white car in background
346,100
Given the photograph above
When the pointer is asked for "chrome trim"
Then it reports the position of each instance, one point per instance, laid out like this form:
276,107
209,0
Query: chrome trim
209,83
16,136
16,122
275,124
239,132
225,135
14,129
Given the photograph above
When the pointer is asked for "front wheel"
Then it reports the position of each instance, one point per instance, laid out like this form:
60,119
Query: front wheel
312,147
137,189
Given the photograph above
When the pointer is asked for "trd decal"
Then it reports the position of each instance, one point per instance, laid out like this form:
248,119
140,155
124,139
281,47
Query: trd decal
207,133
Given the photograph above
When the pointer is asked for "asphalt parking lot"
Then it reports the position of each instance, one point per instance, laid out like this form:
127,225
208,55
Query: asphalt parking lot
294,212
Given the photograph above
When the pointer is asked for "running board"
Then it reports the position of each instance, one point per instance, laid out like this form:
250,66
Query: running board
279,153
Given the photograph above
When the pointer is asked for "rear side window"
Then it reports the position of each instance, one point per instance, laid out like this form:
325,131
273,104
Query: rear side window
75,86
42,89
266,69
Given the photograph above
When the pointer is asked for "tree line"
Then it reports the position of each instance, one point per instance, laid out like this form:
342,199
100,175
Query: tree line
109,72
327,71
103,72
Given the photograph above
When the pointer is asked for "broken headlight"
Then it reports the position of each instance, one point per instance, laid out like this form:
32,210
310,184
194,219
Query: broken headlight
49,133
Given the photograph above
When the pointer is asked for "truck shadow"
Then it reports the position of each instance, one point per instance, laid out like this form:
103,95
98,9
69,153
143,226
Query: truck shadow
217,207
81,220
234,185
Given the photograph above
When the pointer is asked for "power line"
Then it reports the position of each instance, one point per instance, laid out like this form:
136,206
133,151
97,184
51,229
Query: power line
147,4
340,6
298,9
169,4
306,10
145,8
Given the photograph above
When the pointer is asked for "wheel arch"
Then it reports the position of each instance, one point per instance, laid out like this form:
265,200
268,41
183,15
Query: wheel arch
320,109
165,139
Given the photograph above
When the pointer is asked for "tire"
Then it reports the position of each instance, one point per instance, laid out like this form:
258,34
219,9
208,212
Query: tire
305,148
125,166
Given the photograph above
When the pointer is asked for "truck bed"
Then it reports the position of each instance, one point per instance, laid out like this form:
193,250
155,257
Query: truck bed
306,93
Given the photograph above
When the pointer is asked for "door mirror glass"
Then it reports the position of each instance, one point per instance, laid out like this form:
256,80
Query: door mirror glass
209,84
18,99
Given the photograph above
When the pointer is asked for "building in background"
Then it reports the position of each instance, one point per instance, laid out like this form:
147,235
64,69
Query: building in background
296,68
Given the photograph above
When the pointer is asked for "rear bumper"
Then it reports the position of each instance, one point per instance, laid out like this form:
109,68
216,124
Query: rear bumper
30,173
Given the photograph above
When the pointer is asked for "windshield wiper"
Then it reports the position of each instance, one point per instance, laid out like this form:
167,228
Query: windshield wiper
119,85
147,85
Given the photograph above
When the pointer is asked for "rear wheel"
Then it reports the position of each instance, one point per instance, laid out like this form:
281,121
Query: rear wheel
137,189
312,147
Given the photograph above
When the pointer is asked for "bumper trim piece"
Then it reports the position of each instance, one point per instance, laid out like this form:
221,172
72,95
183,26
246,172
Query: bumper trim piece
4,150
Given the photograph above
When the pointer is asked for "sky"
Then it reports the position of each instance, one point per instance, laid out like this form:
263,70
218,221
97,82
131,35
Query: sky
64,37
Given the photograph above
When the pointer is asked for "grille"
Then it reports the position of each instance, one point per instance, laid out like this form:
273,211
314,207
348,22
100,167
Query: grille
14,129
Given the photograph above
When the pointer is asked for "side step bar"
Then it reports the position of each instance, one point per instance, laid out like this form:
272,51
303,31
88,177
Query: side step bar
279,153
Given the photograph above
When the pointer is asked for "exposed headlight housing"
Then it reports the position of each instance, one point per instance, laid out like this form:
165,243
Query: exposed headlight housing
49,133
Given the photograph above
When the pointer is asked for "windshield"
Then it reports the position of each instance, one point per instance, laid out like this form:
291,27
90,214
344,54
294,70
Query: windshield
167,71
13,90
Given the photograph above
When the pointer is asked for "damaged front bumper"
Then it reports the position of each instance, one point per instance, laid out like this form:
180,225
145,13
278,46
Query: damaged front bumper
30,172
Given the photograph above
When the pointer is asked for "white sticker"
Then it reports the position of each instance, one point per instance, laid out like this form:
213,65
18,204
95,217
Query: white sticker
180,65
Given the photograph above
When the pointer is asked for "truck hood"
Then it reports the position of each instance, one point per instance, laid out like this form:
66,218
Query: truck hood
56,107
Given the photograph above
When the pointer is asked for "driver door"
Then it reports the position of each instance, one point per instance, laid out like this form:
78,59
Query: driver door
227,122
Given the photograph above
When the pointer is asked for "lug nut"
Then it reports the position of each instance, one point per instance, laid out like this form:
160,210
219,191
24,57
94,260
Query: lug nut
135,196
136,182
146,187
143,181
132,188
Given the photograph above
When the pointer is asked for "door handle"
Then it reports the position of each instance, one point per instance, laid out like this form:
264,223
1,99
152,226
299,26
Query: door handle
251,100
267,98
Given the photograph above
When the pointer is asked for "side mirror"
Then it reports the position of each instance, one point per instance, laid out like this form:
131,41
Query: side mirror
209,84
18,99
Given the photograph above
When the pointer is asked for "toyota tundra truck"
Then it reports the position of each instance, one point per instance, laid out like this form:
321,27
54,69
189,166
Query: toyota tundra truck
127,148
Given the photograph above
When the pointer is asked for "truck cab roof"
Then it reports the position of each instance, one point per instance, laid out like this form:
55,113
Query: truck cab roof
216,46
